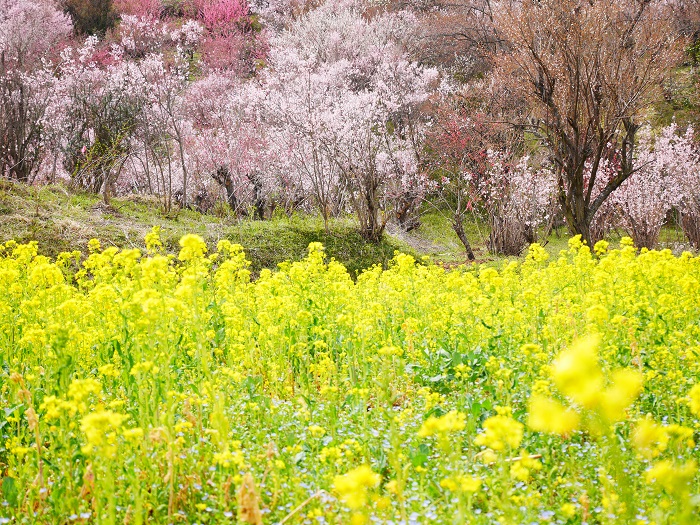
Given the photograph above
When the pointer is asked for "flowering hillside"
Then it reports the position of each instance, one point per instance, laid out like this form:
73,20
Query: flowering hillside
490,112
145,388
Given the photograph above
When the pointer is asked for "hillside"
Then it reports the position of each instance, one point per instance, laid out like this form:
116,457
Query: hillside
62,220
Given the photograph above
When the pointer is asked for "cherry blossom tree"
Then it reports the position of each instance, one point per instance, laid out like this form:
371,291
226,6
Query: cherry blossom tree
644,200
345,88
295,106
234,40
667,175
678,157
30,32
279,14
222,16
114,103
231,144
589,71
93,114
519,198
458,147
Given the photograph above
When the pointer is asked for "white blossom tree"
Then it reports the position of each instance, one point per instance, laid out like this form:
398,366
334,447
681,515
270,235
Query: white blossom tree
344,87
30,32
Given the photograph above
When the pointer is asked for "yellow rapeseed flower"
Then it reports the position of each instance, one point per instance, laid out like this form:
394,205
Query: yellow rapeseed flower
316,431
80,389
152,240
500,432
547,415
94,245
52,407
109,370
229,458
521,468
649,438
143,368
193,247
100,427
626,386
577,374
673,478
353,487
461,483
694,397
451,422
133,434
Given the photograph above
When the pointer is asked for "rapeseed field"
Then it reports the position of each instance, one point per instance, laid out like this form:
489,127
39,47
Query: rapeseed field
151,388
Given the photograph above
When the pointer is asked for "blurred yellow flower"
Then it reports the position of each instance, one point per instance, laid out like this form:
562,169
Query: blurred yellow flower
461,483
577,374
694,397
547,415
100,427
451,422
649,439
353,487
673,478
500,432
626,386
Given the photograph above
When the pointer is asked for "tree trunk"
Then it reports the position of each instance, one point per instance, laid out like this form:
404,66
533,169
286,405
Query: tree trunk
579,225
258,199
458,227
573,203
373,227
231,195
690,222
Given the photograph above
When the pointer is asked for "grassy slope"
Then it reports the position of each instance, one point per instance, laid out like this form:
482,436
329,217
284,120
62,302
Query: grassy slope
64,221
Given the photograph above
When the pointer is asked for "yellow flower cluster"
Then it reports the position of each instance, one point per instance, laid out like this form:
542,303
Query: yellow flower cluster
501,432
229,458
354,486
449,423
694,396
523,466
192,247
651,439
461,483
547,415
100,429
302,377
578,375
674,479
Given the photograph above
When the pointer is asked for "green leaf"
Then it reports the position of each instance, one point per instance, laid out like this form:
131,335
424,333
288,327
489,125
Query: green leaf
9,491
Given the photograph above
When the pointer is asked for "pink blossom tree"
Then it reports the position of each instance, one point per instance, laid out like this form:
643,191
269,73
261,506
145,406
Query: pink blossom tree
665,178
519,197
233,39
221,17
124,102
343,86
643,201
679,157
230,142
30,32
92,114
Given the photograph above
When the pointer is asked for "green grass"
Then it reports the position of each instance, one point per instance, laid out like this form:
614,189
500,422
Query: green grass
681,102
62,220
268,243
